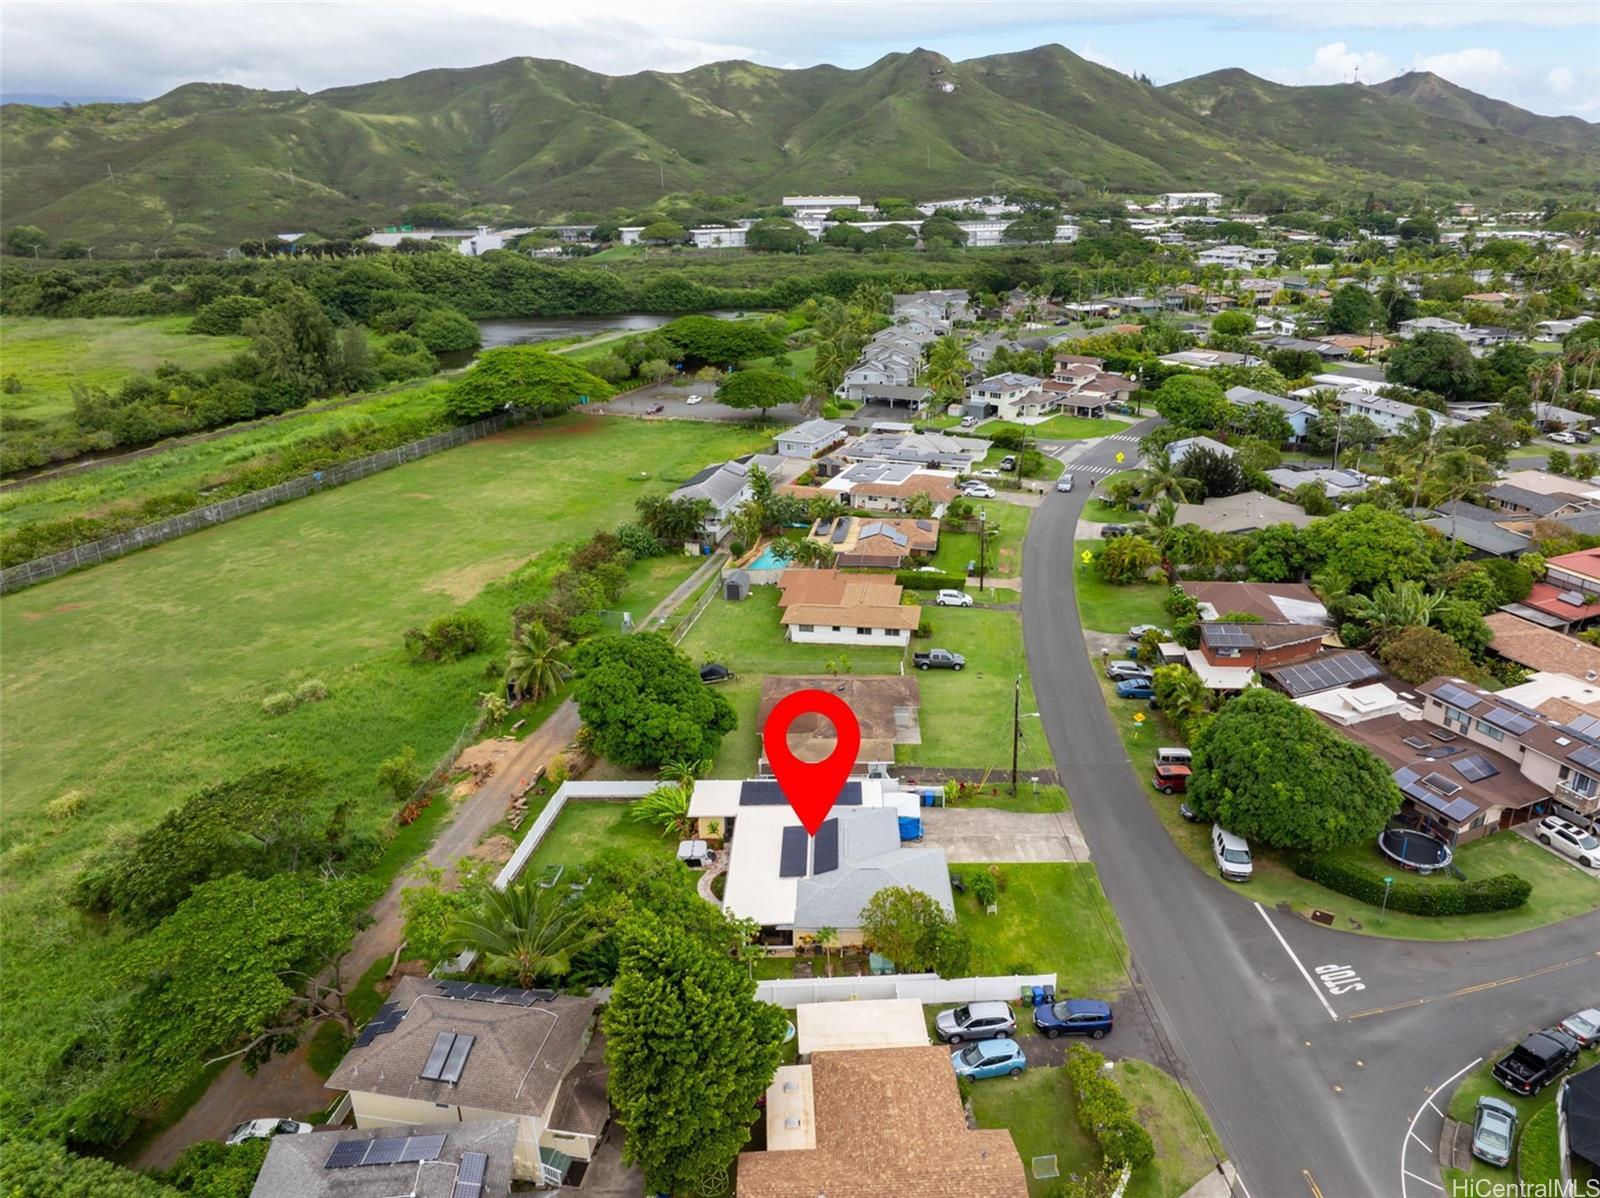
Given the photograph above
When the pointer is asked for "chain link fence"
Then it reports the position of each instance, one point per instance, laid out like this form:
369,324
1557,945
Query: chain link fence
40,569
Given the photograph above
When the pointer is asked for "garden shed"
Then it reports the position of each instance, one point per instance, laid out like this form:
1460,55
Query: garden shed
736,585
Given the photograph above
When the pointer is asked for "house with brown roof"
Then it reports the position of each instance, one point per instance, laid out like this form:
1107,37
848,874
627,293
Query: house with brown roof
876,541
874,1123
887,708
1259,646
825,607
456,1052
1543,649
1274,602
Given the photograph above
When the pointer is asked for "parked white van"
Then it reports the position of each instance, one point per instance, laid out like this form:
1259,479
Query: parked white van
1170,755
1231,853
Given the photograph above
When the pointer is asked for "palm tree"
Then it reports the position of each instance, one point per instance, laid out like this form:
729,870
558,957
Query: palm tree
948,367
667,806
1392,607
534,667
1162,529
1160,480
526,932
1183,694
685,771
826,938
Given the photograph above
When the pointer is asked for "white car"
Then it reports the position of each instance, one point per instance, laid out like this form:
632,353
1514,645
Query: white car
1569,839
990,473
1563,438
1232,854
952,599
968,421
978,491
263,1129
1064,483
1583,1026
694,399
1138,630
929,570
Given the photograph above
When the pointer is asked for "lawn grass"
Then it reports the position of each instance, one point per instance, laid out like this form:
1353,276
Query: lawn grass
1560,890
1004,556
1107,608
1057,428
1052,916
1040,1110
967,715
141,680
1186,1147
1030,797
48,355
203,466
1480,1082
745,635
1097,511
583,831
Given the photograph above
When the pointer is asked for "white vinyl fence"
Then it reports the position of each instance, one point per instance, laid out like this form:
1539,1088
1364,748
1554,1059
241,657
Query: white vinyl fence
921,987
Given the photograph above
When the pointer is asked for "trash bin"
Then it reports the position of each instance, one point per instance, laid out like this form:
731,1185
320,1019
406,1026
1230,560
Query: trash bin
1049,995
1038,996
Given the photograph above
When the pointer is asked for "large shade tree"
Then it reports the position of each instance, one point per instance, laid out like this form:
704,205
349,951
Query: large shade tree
1268,769
644,703
691,1052
760,389
522,376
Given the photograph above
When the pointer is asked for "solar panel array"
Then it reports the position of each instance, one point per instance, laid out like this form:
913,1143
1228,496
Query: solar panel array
825,854
1588,757
384,1150
1325,673
1475,768
1574,598
457,1060
1227,636
792,853
1584,724
469,1175
767,793
433,1067
510,996
1445,786
386,1020
1411,786
841,531
1513,723
1456,697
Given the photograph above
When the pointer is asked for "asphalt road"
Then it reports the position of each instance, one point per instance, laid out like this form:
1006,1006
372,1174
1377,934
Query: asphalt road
1313,1093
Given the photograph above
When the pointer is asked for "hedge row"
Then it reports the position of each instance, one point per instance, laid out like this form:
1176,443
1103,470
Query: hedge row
1104,1111
1499,893
915,580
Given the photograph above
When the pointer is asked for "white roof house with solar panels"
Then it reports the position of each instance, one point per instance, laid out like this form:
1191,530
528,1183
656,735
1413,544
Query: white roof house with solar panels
792,883
457,1052
433,1160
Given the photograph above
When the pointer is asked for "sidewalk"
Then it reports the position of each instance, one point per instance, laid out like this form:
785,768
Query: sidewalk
285,1086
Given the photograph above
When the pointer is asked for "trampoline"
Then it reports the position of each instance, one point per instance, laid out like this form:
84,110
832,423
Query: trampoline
1414,850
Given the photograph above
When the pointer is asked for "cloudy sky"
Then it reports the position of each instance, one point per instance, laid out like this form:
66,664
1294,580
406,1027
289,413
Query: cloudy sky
1541,54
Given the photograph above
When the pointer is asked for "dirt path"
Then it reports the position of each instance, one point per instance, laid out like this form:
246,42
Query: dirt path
286,1086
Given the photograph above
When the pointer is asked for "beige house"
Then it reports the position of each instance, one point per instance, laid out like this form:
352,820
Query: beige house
459,1052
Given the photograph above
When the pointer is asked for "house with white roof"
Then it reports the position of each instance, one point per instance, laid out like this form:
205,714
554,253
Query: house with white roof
1170,200
791,883
810,439
1407,329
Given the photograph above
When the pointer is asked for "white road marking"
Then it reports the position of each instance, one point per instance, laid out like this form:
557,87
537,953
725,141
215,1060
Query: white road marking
1411,1131
1315,989
1426,1146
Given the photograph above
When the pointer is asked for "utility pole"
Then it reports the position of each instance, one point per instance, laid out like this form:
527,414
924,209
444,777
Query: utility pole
1016,731
983,544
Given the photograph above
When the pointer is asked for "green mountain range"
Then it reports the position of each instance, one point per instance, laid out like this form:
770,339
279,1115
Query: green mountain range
208,164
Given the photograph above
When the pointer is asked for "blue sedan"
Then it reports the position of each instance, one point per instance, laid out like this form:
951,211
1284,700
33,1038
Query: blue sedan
1135,688
990,1058
1074,1017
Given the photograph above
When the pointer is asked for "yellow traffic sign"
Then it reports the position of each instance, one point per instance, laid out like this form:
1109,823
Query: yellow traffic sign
1120,455
1138,717
1087,557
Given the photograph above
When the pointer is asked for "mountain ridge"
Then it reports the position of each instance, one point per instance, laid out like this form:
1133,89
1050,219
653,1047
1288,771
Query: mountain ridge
209,163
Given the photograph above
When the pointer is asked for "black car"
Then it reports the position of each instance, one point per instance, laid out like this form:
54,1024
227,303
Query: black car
1189,813
655,409
1111,531
715,671
1537,1061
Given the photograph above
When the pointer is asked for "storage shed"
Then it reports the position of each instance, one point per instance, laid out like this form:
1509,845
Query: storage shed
736,585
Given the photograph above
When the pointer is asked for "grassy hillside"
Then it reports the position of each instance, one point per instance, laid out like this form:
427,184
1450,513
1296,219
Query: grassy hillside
208,164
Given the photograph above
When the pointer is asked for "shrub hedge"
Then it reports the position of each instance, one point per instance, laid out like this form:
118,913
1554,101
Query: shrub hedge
914,580
1104,1111
1503,892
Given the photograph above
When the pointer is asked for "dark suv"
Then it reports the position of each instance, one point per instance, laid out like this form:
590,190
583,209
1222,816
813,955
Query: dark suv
1074,1017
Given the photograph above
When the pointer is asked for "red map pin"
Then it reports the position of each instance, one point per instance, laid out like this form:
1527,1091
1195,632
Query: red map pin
812,787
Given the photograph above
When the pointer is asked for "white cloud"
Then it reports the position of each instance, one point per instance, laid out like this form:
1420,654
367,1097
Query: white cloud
1560,79
1088,51
1336,63
1478,69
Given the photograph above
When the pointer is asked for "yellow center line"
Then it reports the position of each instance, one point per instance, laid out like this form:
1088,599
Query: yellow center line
1316,1191
1474,989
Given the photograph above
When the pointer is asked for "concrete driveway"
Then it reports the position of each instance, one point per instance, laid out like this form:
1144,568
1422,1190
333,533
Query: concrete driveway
982,834
675,400
1530,831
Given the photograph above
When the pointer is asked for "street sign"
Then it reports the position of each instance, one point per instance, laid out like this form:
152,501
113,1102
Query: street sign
1138,717
1087,557
1120,455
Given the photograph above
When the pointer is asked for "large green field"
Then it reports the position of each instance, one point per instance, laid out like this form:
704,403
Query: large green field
48,355
140,680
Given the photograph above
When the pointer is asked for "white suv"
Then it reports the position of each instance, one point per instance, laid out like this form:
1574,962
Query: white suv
1566,837
952,599
1232,854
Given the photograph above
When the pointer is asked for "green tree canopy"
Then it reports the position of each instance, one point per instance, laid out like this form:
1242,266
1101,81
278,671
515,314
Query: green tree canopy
1437,362
691,1052
644,703
1417,654
297,344
699,340
1352,310
522,376
1268,769
36,1167
774,235
663,232
1233,324
910,928
1368,545
942,229
444,330
1190,401
26,240
763,389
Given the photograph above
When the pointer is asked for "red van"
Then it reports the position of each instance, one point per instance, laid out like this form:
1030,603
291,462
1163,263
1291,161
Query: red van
1172,779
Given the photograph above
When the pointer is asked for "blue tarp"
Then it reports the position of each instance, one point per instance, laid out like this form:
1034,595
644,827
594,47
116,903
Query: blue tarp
910,827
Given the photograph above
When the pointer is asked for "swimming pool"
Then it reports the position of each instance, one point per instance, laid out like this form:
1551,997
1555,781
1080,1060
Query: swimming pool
767,561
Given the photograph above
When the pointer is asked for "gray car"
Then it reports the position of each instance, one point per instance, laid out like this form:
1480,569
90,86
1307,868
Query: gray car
1120,671
1494,1130
975,1021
